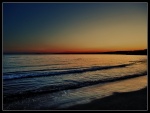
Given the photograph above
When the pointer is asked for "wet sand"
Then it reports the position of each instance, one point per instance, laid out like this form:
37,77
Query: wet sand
135,100
130,94
131,100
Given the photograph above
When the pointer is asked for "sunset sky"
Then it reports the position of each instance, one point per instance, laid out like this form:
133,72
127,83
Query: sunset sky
74,27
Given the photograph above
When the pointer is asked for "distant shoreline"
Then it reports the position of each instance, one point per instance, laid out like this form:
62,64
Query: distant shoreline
135,52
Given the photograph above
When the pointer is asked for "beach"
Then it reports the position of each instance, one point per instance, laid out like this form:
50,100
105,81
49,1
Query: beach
132,100
135,100
75,82
130,94
74,56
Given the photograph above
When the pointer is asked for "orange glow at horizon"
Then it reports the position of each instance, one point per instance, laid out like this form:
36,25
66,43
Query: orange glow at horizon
72,50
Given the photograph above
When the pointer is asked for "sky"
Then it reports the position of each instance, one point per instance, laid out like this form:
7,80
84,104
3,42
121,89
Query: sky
74,27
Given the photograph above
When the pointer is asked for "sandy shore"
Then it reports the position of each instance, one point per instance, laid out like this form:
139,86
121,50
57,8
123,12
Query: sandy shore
130,94
135,100
119,100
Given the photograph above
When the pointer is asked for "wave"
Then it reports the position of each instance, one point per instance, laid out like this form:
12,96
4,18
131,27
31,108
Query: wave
68,84
40,73
8,67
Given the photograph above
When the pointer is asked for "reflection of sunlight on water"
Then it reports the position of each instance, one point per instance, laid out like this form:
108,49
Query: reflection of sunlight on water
80,95
34,62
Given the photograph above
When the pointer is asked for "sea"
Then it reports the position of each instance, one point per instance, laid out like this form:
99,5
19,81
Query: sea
57,81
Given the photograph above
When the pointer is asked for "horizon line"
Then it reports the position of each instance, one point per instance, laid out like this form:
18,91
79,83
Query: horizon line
143,51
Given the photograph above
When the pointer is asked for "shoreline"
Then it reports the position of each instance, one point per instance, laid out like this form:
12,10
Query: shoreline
129,94
134,100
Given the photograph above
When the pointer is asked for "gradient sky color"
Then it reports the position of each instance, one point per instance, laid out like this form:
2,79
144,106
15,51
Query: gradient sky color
61,27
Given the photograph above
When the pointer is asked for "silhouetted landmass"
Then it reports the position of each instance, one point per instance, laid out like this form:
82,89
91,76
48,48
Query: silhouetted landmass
134,52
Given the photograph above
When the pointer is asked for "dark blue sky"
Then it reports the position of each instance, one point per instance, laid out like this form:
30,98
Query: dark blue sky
73,26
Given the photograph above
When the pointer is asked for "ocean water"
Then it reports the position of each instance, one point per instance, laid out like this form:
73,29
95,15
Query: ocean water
57,81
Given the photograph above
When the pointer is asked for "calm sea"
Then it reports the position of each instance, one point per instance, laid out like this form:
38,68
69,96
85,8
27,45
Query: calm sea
53,81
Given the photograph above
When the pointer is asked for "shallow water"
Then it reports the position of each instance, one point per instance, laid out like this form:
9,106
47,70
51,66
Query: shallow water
30,76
